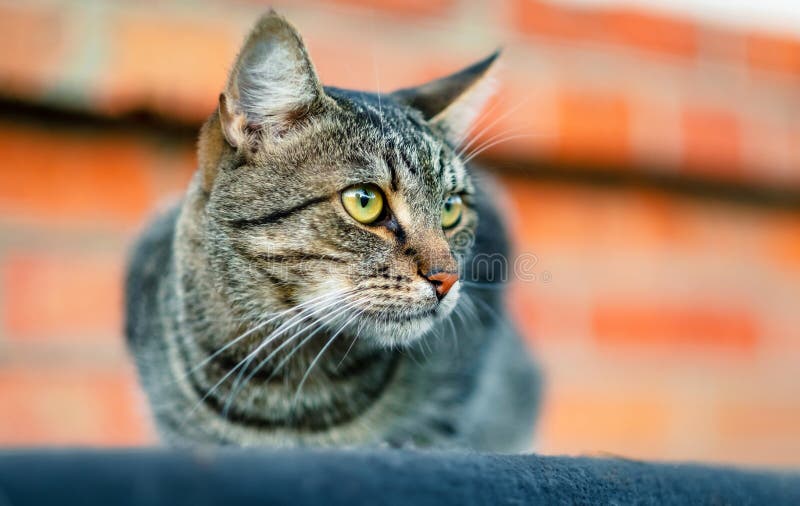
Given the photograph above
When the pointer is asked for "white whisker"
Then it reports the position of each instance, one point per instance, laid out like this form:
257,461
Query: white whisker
249,332
495,142
321,352
236,388
237,366
486,128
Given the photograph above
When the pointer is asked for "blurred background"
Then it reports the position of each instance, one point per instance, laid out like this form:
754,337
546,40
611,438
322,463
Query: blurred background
650,150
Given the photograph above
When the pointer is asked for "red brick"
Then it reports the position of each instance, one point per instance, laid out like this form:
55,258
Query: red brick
794,154
70,407
650,32
783,241
758,431
594,127
546,214
364,61
655,133
556,216
690,326
544,318
722,43
67,296
32,47
552,216
629,27
591,422
173,65
404,8
759,419
774,53
767,153
545,18
56,177
712,142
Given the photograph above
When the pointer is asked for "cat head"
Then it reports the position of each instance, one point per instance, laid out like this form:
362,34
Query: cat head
352,206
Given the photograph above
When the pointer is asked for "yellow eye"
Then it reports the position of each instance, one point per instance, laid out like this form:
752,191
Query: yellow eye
364,202
451,211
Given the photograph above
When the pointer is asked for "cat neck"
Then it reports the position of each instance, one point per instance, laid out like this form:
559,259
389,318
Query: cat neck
312,379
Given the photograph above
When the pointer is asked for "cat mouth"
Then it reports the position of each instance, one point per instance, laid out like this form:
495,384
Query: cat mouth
402,317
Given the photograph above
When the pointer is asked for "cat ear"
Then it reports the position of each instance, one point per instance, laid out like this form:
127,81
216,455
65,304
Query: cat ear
271,86
453,103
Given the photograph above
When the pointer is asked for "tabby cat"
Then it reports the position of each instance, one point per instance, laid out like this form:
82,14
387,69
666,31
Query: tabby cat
333,274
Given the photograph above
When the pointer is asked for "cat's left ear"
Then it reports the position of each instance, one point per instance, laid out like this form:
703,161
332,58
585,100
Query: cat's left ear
271,86
453,103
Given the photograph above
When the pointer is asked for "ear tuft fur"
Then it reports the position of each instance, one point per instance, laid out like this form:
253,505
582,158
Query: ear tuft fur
271,84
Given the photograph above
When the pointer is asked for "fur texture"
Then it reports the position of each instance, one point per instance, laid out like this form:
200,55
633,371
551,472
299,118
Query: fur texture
260,313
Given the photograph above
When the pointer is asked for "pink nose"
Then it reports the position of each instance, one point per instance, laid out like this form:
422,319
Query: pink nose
442,282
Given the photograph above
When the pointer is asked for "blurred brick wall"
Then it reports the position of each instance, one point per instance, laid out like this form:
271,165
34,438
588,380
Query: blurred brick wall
666,307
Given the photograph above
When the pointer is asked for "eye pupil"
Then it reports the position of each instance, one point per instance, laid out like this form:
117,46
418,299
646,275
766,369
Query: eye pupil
364,200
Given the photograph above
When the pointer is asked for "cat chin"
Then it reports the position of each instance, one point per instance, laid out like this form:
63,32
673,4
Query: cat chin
399,334
404,332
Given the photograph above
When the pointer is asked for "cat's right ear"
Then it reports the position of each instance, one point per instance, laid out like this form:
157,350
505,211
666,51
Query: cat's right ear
272,85
453,103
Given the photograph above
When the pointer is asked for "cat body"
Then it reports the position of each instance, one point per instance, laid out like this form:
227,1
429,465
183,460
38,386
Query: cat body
273,307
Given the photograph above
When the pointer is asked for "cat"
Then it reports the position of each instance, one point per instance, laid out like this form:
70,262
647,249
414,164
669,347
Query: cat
334,274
